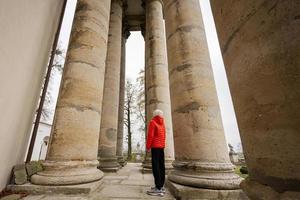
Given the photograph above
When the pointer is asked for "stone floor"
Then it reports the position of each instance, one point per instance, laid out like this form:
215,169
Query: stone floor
127,184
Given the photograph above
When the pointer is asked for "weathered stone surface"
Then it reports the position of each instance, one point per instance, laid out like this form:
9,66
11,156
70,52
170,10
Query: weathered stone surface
72,154
86,188
33,197
157,76
134,186
33,167
147,169
147,164
128,183
260,47
110,105
258,191
121,159
12,197
19,174
109,164
201,155
56,197
186,193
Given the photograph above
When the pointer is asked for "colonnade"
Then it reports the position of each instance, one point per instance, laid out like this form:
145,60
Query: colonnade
88,125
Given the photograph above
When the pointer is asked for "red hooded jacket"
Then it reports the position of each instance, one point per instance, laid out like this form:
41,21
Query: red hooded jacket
156,137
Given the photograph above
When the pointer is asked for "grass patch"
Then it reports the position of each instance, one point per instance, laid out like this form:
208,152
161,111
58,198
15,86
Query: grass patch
237,171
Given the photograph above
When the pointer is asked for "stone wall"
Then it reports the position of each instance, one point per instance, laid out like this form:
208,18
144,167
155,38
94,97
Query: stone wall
27,30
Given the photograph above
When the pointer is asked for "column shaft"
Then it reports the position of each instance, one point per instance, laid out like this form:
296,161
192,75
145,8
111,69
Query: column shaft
110,104
147,165
201,155
72,154
121,105
260,46
157,75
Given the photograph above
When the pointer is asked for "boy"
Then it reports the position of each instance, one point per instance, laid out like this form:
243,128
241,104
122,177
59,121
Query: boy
156,139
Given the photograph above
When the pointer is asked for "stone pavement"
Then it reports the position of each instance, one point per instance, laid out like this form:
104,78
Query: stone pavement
127,184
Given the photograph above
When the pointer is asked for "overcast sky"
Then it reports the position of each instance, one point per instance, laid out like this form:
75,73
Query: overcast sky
135,62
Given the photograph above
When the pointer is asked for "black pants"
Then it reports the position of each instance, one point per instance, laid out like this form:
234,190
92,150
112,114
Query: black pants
158,166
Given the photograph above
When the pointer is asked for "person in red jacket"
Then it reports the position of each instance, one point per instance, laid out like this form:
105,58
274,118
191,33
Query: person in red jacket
156,141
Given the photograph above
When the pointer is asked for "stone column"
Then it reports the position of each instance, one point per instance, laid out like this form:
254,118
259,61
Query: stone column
201,155
157,75
110,104
72,154
260,46
120,156
147,166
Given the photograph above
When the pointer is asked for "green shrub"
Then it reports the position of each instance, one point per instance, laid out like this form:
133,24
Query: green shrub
244,170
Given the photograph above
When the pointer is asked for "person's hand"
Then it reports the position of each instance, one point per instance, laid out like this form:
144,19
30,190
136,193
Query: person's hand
148,150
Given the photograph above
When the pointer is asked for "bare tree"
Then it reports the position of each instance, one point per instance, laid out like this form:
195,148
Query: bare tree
129,105
141,103
57,67
141,98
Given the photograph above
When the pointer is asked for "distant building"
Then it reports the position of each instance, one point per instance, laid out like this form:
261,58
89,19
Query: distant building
41,142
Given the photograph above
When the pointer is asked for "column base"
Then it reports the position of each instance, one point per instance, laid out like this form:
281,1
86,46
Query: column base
121,160
219,176
147,165
109,164
168,165
29,188
58,173
259,191
186,193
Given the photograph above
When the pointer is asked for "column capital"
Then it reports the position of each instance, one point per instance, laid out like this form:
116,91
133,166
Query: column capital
149,1
125,5
126,33
143,4
120,2
125,28
143,30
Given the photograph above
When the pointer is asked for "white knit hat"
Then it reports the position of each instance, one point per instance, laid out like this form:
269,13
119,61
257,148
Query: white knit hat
158,112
